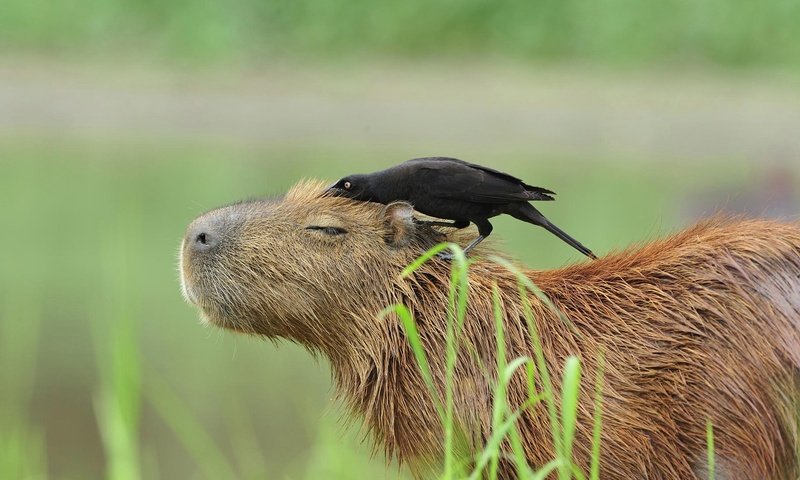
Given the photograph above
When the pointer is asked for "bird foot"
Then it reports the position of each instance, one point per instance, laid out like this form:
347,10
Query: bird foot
445,256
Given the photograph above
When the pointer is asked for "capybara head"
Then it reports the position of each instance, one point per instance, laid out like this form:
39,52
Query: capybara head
275,266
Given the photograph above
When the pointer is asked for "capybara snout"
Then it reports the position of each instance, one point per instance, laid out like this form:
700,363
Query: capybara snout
256,266
212,229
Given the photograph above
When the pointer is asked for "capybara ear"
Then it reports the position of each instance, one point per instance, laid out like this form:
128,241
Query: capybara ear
398,219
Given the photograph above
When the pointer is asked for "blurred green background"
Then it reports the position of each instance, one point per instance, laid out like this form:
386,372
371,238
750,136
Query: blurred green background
121,120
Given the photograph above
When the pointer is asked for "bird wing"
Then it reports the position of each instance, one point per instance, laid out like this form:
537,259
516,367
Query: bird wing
450,178
492,171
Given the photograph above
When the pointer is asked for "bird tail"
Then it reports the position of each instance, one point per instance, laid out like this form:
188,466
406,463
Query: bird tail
529,214
569,240
539,193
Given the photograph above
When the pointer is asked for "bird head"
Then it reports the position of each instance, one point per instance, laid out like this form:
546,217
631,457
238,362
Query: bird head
356,187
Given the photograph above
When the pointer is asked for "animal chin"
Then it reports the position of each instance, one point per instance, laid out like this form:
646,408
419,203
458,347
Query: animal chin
212,310
192,295
188,293
222,318
211,316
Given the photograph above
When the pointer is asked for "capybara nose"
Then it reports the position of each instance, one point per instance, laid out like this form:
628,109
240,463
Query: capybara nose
203,236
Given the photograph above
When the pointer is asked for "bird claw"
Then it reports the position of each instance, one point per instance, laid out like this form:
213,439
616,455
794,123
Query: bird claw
445,256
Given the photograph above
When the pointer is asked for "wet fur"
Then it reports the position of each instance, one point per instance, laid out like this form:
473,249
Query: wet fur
705,323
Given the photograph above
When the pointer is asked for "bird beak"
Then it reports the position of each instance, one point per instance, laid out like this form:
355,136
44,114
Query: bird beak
333,190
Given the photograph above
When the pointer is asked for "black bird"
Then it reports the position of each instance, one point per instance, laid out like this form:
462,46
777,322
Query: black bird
456,190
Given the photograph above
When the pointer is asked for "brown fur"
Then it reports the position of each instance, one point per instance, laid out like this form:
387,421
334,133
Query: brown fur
703,324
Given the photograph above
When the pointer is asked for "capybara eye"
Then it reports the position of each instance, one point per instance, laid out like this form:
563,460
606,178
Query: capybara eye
327,230
347,185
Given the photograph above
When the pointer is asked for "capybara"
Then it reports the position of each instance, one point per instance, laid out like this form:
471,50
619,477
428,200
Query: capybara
702,325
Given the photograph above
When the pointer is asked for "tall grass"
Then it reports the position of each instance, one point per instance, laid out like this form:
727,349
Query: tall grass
189,432
562,417
723,32
118,400
710,459
23,452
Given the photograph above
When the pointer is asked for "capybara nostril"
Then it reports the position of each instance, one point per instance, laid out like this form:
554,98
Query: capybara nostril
203,236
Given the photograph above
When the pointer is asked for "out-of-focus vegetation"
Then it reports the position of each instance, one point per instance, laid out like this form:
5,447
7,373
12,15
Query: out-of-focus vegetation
723,32
106,373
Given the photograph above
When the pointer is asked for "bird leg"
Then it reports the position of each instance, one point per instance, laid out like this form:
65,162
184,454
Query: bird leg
484,230
473,244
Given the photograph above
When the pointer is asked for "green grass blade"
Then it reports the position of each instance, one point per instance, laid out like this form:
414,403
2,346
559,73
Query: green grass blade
114,332
498,435
460,280
458,297
22,447
22,453
119,437
412,335
544,375
547,469
531,377
20,326
518,453
500,428
597,424
563,426
569,408
416,264
710,449
456,314
513,366
521,277
117,406
525,284
244,442
493,445
499,406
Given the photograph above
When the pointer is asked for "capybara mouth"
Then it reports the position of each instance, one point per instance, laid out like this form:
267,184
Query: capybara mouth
210,308
188,292
186,285
212,311
193,290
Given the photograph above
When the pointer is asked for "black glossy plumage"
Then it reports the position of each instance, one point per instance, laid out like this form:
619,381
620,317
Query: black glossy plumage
456,190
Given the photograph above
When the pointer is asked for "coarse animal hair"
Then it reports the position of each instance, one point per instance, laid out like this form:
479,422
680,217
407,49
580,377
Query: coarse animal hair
702,325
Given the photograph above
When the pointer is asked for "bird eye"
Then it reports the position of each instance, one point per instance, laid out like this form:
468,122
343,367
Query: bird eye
347,185
333,231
